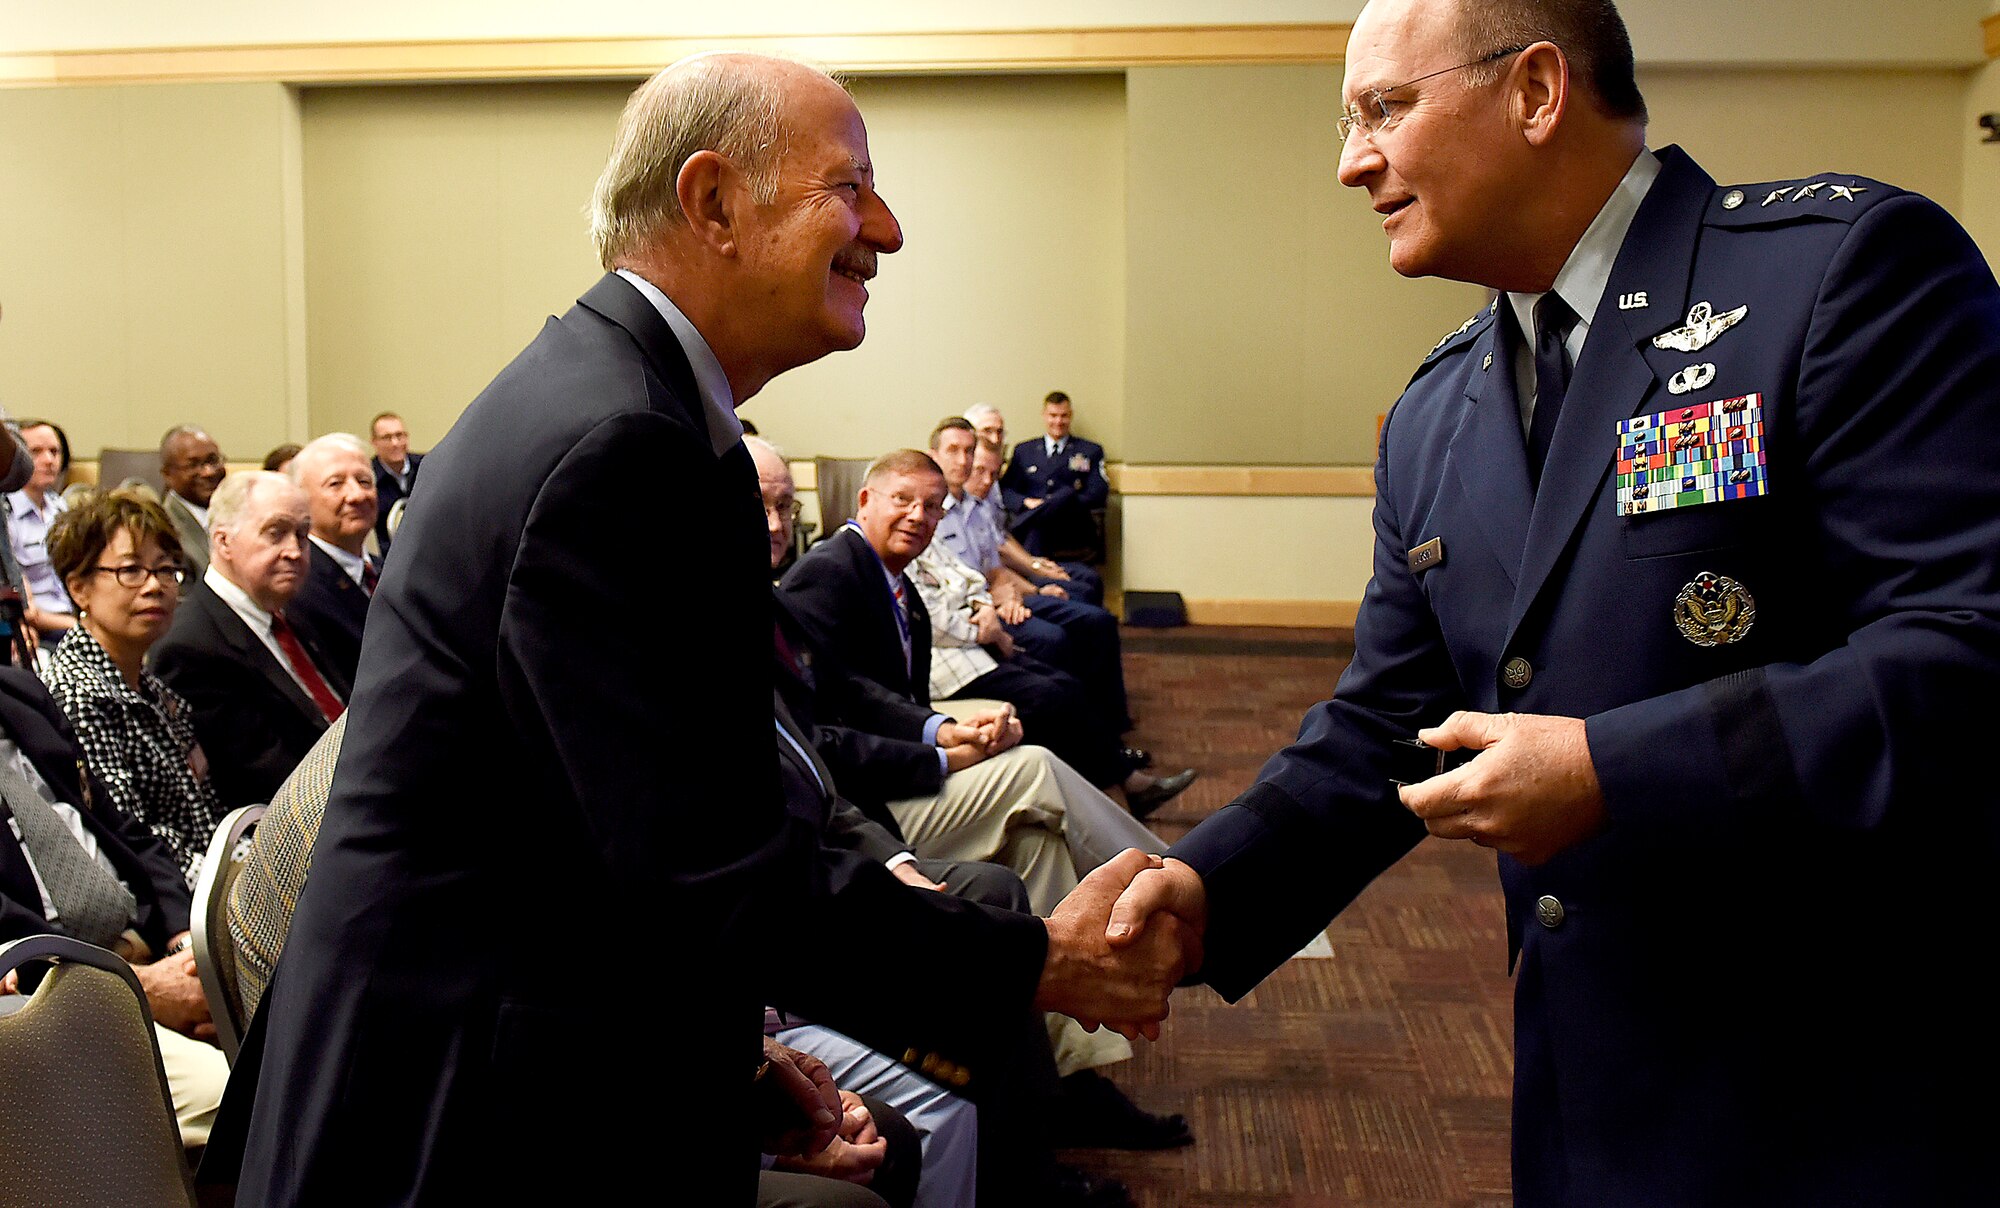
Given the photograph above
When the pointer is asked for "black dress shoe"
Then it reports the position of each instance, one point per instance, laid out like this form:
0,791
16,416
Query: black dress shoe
1136,757
1144,801
1092,1113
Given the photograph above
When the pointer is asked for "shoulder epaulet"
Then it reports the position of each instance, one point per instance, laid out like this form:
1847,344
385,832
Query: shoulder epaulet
1464,333
1840,196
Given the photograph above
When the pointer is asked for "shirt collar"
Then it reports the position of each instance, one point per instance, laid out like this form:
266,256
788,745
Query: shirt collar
196,510
718,402
239,601
1585,274
23,504
351,563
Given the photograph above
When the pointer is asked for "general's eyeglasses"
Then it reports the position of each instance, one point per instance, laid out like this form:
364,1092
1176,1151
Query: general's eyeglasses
1373,109
134,576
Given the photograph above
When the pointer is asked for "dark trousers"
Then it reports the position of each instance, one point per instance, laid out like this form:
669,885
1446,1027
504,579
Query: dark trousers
1056,712
1086,646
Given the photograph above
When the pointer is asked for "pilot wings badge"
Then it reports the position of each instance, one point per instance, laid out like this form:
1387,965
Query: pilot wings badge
1703,326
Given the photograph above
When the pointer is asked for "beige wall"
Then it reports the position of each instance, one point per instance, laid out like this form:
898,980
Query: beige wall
1011,282
1750,32
1979,203
143,243
443,225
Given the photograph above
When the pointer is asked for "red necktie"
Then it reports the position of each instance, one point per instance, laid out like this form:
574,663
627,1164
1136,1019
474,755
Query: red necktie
295,653
369,575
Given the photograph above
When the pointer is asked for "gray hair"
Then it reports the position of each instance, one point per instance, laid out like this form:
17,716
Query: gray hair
234,495
702,103
344,441
754,443
979,411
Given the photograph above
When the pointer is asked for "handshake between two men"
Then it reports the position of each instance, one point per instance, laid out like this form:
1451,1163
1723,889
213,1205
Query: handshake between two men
1121,941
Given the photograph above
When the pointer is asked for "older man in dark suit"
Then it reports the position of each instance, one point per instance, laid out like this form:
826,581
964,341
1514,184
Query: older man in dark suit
427,1039
259,679
339,483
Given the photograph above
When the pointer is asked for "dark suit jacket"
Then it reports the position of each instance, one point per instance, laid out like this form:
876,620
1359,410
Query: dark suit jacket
838,593
875,745
252,719
30,717
336,607
554,859
1713,1003
387,492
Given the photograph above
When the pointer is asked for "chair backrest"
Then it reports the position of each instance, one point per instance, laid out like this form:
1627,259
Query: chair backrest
89,1119
258,908
836,481
214,955
115,466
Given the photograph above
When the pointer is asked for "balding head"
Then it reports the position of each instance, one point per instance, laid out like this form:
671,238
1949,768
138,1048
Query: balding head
781,497
191,464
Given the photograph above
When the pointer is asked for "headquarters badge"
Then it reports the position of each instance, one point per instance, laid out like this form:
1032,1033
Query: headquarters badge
1714,610
1701,453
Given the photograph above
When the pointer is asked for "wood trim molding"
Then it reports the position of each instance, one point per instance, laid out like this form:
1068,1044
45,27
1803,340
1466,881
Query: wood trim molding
1287,614
635,58
1335,481
1991,28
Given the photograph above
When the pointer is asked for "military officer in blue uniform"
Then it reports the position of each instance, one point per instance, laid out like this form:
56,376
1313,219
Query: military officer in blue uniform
1052,485
1687,569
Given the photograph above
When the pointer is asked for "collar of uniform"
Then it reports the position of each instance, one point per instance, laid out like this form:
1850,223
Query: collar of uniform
239,602
1588,270
351,563
1052,446
718,402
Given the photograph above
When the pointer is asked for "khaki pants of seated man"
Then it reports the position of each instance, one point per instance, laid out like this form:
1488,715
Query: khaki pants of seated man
1030,811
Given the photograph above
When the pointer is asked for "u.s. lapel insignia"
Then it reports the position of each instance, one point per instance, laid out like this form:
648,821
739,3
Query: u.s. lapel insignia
1702,328
1684,456
1694,377
1714,610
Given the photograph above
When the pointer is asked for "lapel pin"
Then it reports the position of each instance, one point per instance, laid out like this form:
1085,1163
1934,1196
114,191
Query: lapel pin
1702,328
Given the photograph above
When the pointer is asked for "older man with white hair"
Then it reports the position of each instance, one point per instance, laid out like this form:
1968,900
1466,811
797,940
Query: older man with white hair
258,679
339,481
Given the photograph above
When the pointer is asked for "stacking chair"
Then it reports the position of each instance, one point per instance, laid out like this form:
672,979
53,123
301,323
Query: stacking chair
86,1119
115,467
836,481
214,954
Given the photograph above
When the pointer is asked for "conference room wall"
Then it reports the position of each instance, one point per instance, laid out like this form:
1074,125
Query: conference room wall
1979,204
444,223
145,238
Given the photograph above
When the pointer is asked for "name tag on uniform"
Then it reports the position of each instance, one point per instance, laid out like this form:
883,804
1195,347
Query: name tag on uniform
1701,453
1428,556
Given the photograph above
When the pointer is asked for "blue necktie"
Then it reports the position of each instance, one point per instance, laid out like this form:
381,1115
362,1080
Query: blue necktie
1553,322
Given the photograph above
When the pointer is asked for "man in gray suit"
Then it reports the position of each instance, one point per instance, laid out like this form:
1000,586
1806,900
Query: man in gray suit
191,466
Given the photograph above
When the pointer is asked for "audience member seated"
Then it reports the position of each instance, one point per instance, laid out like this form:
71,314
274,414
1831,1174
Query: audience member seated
1079,582
121,559
395,470
852,595
865,1156
340,494
73,863
941,786
1052,485
191,465
278,460
262,688
30,512
1074,636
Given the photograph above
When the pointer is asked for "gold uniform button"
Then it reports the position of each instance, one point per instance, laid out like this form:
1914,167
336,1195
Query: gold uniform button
1517,672
1549,911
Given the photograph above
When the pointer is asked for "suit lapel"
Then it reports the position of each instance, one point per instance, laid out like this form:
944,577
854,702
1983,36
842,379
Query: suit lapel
1613,379
1488,453
253,653
618,300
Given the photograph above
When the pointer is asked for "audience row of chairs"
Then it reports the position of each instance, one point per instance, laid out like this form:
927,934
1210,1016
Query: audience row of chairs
90,1118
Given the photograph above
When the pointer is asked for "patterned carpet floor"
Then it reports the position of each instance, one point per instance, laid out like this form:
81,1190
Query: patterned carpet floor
1373,1071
